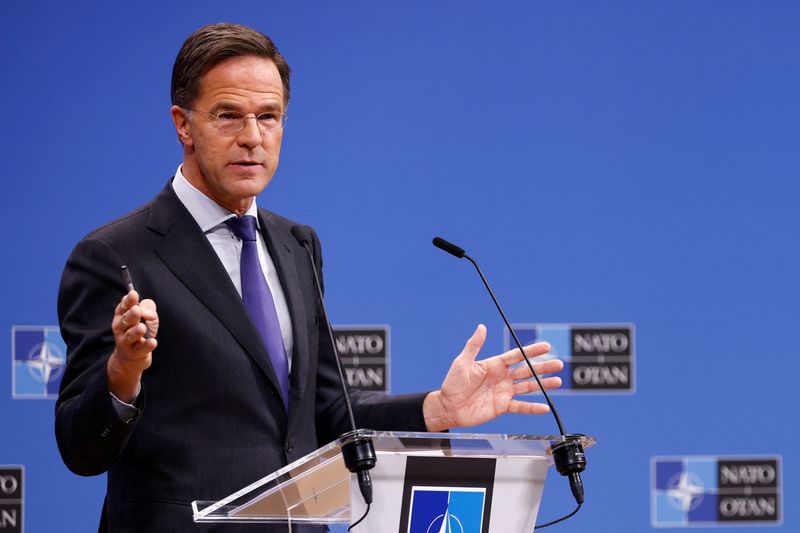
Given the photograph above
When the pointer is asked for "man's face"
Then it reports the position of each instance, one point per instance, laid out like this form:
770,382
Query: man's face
232,168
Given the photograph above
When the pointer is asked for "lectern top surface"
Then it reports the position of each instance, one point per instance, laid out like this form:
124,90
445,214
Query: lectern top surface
310,489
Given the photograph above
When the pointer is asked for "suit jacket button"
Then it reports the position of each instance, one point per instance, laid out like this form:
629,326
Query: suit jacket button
289,447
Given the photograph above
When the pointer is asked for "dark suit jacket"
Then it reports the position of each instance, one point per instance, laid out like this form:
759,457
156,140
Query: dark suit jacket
212,419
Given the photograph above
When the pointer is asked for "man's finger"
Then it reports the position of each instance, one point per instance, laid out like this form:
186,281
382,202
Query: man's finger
148,345
529,386
149,311
126,302
133,334
136,347
474,344
545,367
513,356
527,408
130,299
126,321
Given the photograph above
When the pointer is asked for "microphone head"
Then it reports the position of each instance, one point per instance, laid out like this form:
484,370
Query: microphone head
449,247
302,234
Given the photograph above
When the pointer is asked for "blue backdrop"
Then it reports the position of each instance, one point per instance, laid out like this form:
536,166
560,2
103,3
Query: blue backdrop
606,161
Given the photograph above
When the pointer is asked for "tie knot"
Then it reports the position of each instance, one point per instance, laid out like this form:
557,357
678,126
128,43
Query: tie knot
243,227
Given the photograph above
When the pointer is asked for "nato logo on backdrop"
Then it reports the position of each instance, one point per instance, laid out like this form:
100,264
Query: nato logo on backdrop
598,358
365,356
38,356
11,498
715,491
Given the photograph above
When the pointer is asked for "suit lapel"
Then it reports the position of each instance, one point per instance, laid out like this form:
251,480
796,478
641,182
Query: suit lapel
282,248
185,250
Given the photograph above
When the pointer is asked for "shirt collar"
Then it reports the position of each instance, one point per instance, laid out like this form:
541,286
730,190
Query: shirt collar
206,212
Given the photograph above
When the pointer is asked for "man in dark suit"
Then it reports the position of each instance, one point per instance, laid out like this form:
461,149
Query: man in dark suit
192,400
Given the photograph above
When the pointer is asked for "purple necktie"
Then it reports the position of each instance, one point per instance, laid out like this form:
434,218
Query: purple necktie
258,301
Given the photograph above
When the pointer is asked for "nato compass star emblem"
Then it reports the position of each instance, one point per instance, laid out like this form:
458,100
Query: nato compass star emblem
38,358
446,521
686,491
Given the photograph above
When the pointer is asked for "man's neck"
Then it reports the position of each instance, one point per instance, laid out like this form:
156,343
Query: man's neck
234,205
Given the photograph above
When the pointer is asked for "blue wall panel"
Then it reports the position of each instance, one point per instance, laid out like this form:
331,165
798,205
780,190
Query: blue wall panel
607,162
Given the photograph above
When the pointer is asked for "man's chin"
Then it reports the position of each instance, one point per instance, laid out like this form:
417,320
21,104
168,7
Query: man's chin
250,186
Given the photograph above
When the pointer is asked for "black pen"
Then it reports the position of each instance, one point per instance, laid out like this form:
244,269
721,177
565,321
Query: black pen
126,279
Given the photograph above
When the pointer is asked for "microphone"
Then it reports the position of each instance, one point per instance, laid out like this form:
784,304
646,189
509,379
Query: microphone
568,454
359,455
449,247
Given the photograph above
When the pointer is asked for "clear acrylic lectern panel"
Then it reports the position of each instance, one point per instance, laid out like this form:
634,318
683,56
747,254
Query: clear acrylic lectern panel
316,488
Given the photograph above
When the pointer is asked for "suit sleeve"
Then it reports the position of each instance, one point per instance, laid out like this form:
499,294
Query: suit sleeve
371,410
89,433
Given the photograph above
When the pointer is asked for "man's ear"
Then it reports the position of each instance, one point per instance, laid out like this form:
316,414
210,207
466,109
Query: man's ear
180,119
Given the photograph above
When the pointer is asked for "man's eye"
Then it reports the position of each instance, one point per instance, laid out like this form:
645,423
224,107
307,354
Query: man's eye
230,117
268,117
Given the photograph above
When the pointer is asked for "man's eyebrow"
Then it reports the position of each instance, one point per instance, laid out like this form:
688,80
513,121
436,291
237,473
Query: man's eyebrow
271,107
224,106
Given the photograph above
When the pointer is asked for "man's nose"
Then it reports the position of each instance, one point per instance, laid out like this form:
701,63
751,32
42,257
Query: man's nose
250,134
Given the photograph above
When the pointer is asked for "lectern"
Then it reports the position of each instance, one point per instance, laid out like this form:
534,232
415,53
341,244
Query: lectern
422,482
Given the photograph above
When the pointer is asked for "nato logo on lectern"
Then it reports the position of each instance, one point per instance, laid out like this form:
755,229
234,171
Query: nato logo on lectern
11,498
38,356
446,510
598,358
701,491
447,494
